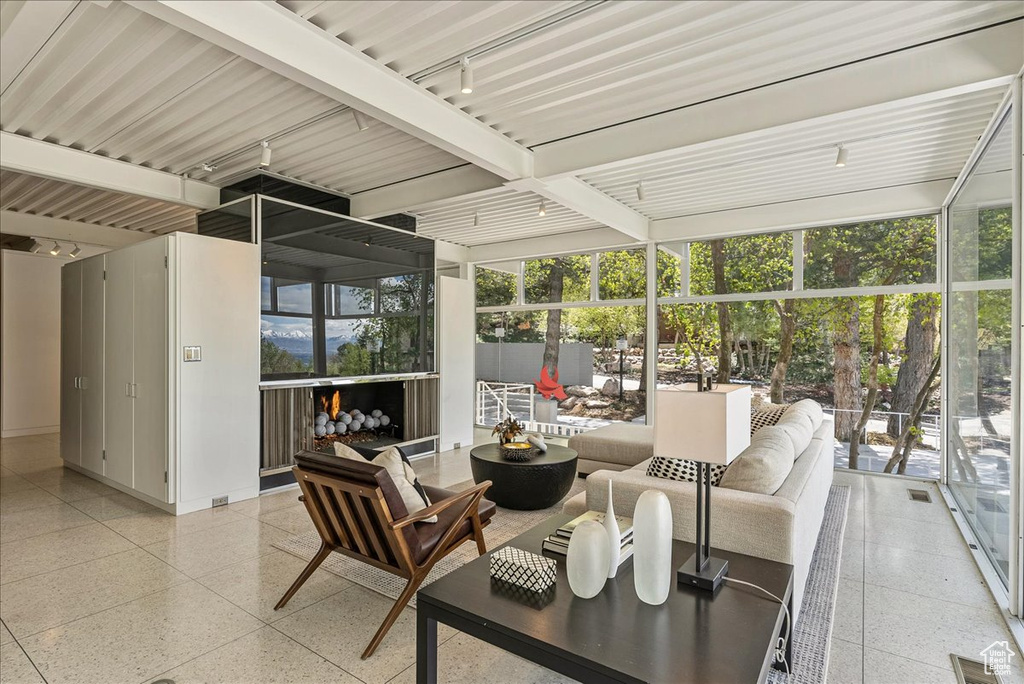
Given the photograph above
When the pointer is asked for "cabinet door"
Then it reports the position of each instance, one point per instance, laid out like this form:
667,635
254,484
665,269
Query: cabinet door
118,361
91,384
70,362
151,367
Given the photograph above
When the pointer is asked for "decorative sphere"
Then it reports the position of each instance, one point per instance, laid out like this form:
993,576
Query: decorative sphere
345,418
330,428
384,420
319,430
322,418
340,428
355,425
376,413
337,418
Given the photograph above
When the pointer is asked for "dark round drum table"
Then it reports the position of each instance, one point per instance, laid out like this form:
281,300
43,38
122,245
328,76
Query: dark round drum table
530,485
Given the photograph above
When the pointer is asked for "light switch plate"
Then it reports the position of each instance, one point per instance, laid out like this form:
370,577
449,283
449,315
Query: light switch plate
193,353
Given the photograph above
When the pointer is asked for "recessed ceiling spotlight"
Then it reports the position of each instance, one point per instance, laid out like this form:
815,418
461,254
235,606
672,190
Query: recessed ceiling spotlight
640,195
361,121
75,252
55,250
207,167
476,219
466,76
265,154
542,210
841,157
36,246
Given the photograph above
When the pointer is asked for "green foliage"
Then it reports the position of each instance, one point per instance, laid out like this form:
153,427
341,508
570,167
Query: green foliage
576,282
273,359
350,359
494,288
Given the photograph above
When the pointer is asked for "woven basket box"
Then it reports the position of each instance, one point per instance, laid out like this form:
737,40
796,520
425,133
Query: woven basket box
523,569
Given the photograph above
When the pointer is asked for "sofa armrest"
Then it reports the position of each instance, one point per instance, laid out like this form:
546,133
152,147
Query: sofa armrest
744,522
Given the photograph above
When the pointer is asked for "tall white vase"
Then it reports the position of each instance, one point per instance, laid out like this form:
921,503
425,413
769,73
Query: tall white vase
586,562
652,547
611,527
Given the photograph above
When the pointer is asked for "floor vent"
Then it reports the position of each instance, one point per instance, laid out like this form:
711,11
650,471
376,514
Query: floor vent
972,672
920,495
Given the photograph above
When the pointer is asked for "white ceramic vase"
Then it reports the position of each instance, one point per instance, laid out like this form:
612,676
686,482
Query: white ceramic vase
611,527
652,547
586,562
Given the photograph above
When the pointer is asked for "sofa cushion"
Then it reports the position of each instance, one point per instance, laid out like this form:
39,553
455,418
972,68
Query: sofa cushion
681,470
401,473
764,465
624,444
797,425
809,408
765,414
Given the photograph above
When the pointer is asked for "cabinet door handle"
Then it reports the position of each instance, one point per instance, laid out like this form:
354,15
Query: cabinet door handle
127,389
76,383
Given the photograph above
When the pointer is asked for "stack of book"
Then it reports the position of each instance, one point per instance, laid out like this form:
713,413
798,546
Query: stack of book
558,541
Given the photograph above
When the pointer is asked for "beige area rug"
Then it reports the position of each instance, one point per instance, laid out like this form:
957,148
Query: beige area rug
505,525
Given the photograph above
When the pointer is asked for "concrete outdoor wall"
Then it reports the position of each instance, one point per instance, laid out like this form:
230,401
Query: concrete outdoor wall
521,361
30,366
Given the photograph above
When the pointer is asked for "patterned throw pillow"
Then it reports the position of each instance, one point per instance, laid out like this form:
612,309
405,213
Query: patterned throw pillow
765,414
681,470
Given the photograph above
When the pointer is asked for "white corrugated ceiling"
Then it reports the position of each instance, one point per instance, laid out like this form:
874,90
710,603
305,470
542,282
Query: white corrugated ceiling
619,61
44,197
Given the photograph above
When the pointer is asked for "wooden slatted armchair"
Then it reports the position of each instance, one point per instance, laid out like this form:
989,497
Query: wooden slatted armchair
358,512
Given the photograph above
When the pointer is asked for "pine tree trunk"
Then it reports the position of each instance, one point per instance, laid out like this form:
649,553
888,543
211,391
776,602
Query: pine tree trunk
872,397
922,330
907,439
724,324
556,278
787,325
846,367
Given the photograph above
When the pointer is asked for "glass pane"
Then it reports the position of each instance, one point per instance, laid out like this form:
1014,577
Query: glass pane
347,300
495,287
265,285
294,296
623,274
980,425
669,269
750,263
347,353
558,279
286,345
891,252
400,294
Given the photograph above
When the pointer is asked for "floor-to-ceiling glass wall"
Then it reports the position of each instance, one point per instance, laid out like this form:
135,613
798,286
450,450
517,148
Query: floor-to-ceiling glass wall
980,392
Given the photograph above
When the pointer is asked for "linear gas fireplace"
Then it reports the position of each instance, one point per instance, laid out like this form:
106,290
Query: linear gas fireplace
373,413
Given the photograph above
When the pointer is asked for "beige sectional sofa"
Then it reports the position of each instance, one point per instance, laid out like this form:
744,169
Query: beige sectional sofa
781,527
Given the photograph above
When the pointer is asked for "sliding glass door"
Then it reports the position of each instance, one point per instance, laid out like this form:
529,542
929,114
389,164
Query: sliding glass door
982,356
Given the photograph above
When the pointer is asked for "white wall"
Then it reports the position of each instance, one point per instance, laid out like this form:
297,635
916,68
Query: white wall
30,351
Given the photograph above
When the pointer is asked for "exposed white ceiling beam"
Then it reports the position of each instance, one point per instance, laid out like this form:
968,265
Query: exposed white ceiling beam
46,160
562,243
28,31
588,201
280,40
968,63
446,251
68,231
424,192
906,200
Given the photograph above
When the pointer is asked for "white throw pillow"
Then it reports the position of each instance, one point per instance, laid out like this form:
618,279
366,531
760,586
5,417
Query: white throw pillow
811,409
798,427
764,465
401,474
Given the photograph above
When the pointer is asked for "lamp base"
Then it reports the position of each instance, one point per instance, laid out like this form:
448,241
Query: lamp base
711,577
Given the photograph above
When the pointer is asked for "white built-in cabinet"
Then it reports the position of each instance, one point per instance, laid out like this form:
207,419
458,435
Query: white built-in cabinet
137,412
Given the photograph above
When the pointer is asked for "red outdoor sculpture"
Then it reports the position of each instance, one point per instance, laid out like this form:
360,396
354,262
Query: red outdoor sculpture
549,387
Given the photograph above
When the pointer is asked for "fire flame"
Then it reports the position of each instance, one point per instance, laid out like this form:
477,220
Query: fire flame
331,406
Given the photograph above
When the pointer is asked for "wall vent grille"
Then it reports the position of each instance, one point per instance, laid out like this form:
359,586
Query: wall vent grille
920,495
970,671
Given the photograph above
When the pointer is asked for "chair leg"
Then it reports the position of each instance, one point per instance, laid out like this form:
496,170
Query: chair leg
319,558
396,610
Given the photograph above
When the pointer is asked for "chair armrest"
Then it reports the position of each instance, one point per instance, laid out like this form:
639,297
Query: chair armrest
435,508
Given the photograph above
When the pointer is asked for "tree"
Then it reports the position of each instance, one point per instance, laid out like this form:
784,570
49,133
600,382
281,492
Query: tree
273,359
918,352
787,332
725,339
869,401
907,438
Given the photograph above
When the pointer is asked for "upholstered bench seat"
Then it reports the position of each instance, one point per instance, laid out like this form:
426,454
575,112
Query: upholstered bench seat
618,446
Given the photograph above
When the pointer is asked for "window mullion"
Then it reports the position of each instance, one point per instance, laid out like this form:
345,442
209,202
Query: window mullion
798,260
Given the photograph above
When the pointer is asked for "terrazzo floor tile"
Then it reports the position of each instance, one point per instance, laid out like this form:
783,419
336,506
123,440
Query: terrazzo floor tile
48,552
885,668
68,485
206,551
934,538
55,598
16,668
113,506
257,585
294,520
12,482
26,499
257,506
851,563
848,621
340,627
264,657
845,663
5,634
917,572
156,526
139,640
25,523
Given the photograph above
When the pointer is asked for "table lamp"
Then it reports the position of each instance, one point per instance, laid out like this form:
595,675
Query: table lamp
708,427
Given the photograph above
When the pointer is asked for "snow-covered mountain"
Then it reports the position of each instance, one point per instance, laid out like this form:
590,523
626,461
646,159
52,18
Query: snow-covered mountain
270,333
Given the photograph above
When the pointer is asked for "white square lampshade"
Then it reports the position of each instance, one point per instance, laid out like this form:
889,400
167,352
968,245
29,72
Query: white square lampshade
711,426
